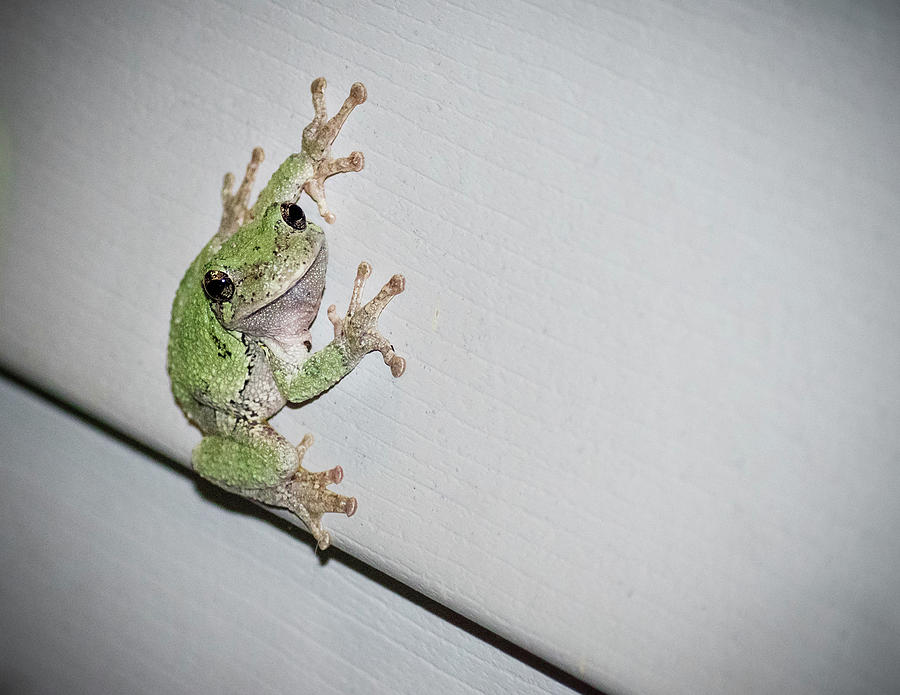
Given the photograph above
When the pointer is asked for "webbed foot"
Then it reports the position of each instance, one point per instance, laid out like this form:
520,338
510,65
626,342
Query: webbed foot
358,330
235,204
318,137
260,464
307,495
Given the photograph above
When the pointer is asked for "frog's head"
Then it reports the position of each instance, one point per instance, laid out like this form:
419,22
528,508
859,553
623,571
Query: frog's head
266,281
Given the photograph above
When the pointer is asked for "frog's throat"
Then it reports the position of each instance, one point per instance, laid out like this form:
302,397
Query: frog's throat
287,317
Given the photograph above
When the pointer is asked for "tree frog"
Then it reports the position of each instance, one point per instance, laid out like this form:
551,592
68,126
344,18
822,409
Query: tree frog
239,341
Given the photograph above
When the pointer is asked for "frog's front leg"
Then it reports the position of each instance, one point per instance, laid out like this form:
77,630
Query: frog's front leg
235,204
355,335
255,461
307,170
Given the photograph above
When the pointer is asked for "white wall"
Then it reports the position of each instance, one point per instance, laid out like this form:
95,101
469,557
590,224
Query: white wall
648,428
118,578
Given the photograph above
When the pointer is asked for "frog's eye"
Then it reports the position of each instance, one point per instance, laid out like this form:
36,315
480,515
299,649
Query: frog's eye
218,286
293,215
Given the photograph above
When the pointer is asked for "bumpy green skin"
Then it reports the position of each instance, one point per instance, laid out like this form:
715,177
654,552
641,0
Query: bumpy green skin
204,359
235,360
285,182
210,366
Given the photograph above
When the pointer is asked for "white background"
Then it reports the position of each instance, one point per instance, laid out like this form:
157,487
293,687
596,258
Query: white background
648,429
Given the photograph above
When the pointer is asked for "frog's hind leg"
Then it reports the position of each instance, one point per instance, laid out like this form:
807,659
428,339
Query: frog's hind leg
257,462
306,494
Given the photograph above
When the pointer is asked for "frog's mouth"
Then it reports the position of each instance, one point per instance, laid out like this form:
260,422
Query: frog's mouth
287,318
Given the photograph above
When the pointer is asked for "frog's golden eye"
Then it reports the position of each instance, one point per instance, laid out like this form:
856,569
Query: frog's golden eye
217,286
293,215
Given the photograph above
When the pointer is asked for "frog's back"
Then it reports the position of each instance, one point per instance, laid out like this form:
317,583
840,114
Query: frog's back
207,365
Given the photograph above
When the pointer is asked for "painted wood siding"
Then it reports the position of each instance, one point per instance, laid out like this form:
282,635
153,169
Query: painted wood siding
648,427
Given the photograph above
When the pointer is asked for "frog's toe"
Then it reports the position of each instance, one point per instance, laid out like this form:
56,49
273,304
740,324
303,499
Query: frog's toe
322,537
397,365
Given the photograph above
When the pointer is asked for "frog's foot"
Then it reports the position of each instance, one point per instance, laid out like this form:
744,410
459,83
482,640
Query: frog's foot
359,330
318,137
235,204
257,462
307,495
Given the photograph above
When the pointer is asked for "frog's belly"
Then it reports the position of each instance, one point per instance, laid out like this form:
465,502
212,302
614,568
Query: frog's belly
260,398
